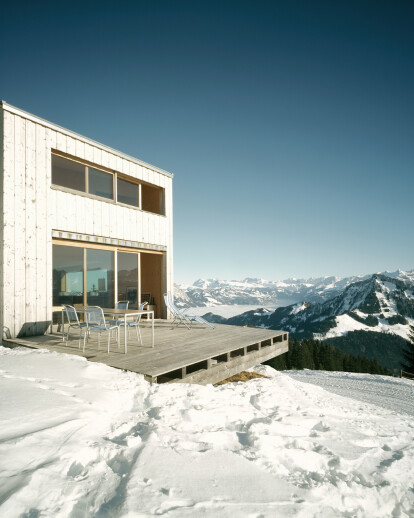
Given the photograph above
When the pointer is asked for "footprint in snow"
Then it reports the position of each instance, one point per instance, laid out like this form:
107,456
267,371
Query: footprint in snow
321,427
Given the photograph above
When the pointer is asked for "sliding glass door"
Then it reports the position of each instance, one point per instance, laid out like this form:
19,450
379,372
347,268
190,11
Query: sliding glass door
67,275
83,276
100,278
92,276
128,275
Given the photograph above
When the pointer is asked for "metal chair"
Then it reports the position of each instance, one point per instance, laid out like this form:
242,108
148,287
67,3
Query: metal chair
73,322
95,321
122,304
134,323
181,316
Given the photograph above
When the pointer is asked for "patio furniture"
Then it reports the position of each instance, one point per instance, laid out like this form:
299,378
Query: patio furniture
122,304
181,316
95,322
133,323
73,322
130,323
124,314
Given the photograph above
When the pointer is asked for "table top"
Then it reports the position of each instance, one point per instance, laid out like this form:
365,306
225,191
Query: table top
113,311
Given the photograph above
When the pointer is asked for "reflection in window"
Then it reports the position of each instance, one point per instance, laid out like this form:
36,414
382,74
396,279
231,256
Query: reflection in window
100,278
127,192
100,183
67,275
128,278
68,173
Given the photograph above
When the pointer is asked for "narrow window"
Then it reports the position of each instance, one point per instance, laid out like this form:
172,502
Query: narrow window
101,183
68,173
152,199
127,192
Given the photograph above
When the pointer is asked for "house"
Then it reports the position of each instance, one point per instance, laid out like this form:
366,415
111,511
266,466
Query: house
81,224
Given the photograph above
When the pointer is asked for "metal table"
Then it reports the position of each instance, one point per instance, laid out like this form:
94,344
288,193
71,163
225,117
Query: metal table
125,313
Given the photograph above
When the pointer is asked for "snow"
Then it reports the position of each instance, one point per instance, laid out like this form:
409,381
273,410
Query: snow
82,439
384,391
345,324
298,308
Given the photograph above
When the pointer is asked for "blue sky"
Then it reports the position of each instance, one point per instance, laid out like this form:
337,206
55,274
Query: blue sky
289,125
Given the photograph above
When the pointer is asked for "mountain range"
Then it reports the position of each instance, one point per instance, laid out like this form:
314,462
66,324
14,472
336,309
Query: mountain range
251,291
367,315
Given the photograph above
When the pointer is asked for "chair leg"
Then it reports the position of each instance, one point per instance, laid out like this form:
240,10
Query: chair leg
99,339
109,339
117,336
140,336
84,340
80,337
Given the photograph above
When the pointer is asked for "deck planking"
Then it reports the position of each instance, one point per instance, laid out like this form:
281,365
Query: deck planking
176,348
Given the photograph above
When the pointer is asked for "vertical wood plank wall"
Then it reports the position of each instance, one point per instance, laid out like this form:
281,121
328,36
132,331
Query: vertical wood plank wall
31,209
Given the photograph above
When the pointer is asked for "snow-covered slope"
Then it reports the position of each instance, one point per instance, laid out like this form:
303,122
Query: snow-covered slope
379,303
250,291
83,439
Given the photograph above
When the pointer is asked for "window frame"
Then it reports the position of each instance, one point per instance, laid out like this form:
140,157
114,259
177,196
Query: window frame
111,248
125,178
115,175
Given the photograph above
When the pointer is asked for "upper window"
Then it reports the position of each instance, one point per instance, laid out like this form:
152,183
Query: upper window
101,183
152,199
127,192
80,177
68,173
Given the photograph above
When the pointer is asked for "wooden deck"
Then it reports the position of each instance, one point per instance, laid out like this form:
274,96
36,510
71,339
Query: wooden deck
197,355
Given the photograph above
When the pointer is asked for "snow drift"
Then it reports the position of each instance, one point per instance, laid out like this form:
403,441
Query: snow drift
83,439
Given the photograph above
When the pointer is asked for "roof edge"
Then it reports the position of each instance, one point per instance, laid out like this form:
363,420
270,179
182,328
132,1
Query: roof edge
56,127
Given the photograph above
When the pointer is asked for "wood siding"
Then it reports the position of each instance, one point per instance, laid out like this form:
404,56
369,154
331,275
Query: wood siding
31,209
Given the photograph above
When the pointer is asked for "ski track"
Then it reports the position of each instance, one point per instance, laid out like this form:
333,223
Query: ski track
81,439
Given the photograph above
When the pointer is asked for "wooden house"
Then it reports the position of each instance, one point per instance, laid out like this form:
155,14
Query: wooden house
81,224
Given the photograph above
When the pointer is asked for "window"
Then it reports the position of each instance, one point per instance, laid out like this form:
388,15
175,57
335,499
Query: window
127,192
68,173
99,278
74,175
101,183
128,278
67,275
152,199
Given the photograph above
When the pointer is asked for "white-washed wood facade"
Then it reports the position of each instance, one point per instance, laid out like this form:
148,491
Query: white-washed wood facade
32,211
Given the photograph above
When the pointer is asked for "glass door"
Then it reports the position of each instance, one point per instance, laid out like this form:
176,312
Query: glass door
100,289
128,275
67,275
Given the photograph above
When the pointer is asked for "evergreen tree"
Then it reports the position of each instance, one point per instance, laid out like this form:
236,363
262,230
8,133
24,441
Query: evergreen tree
295,356
278,363
408,353
305,356
315,355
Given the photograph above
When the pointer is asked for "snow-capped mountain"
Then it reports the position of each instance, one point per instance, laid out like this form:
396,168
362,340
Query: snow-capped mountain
379,304
250,291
